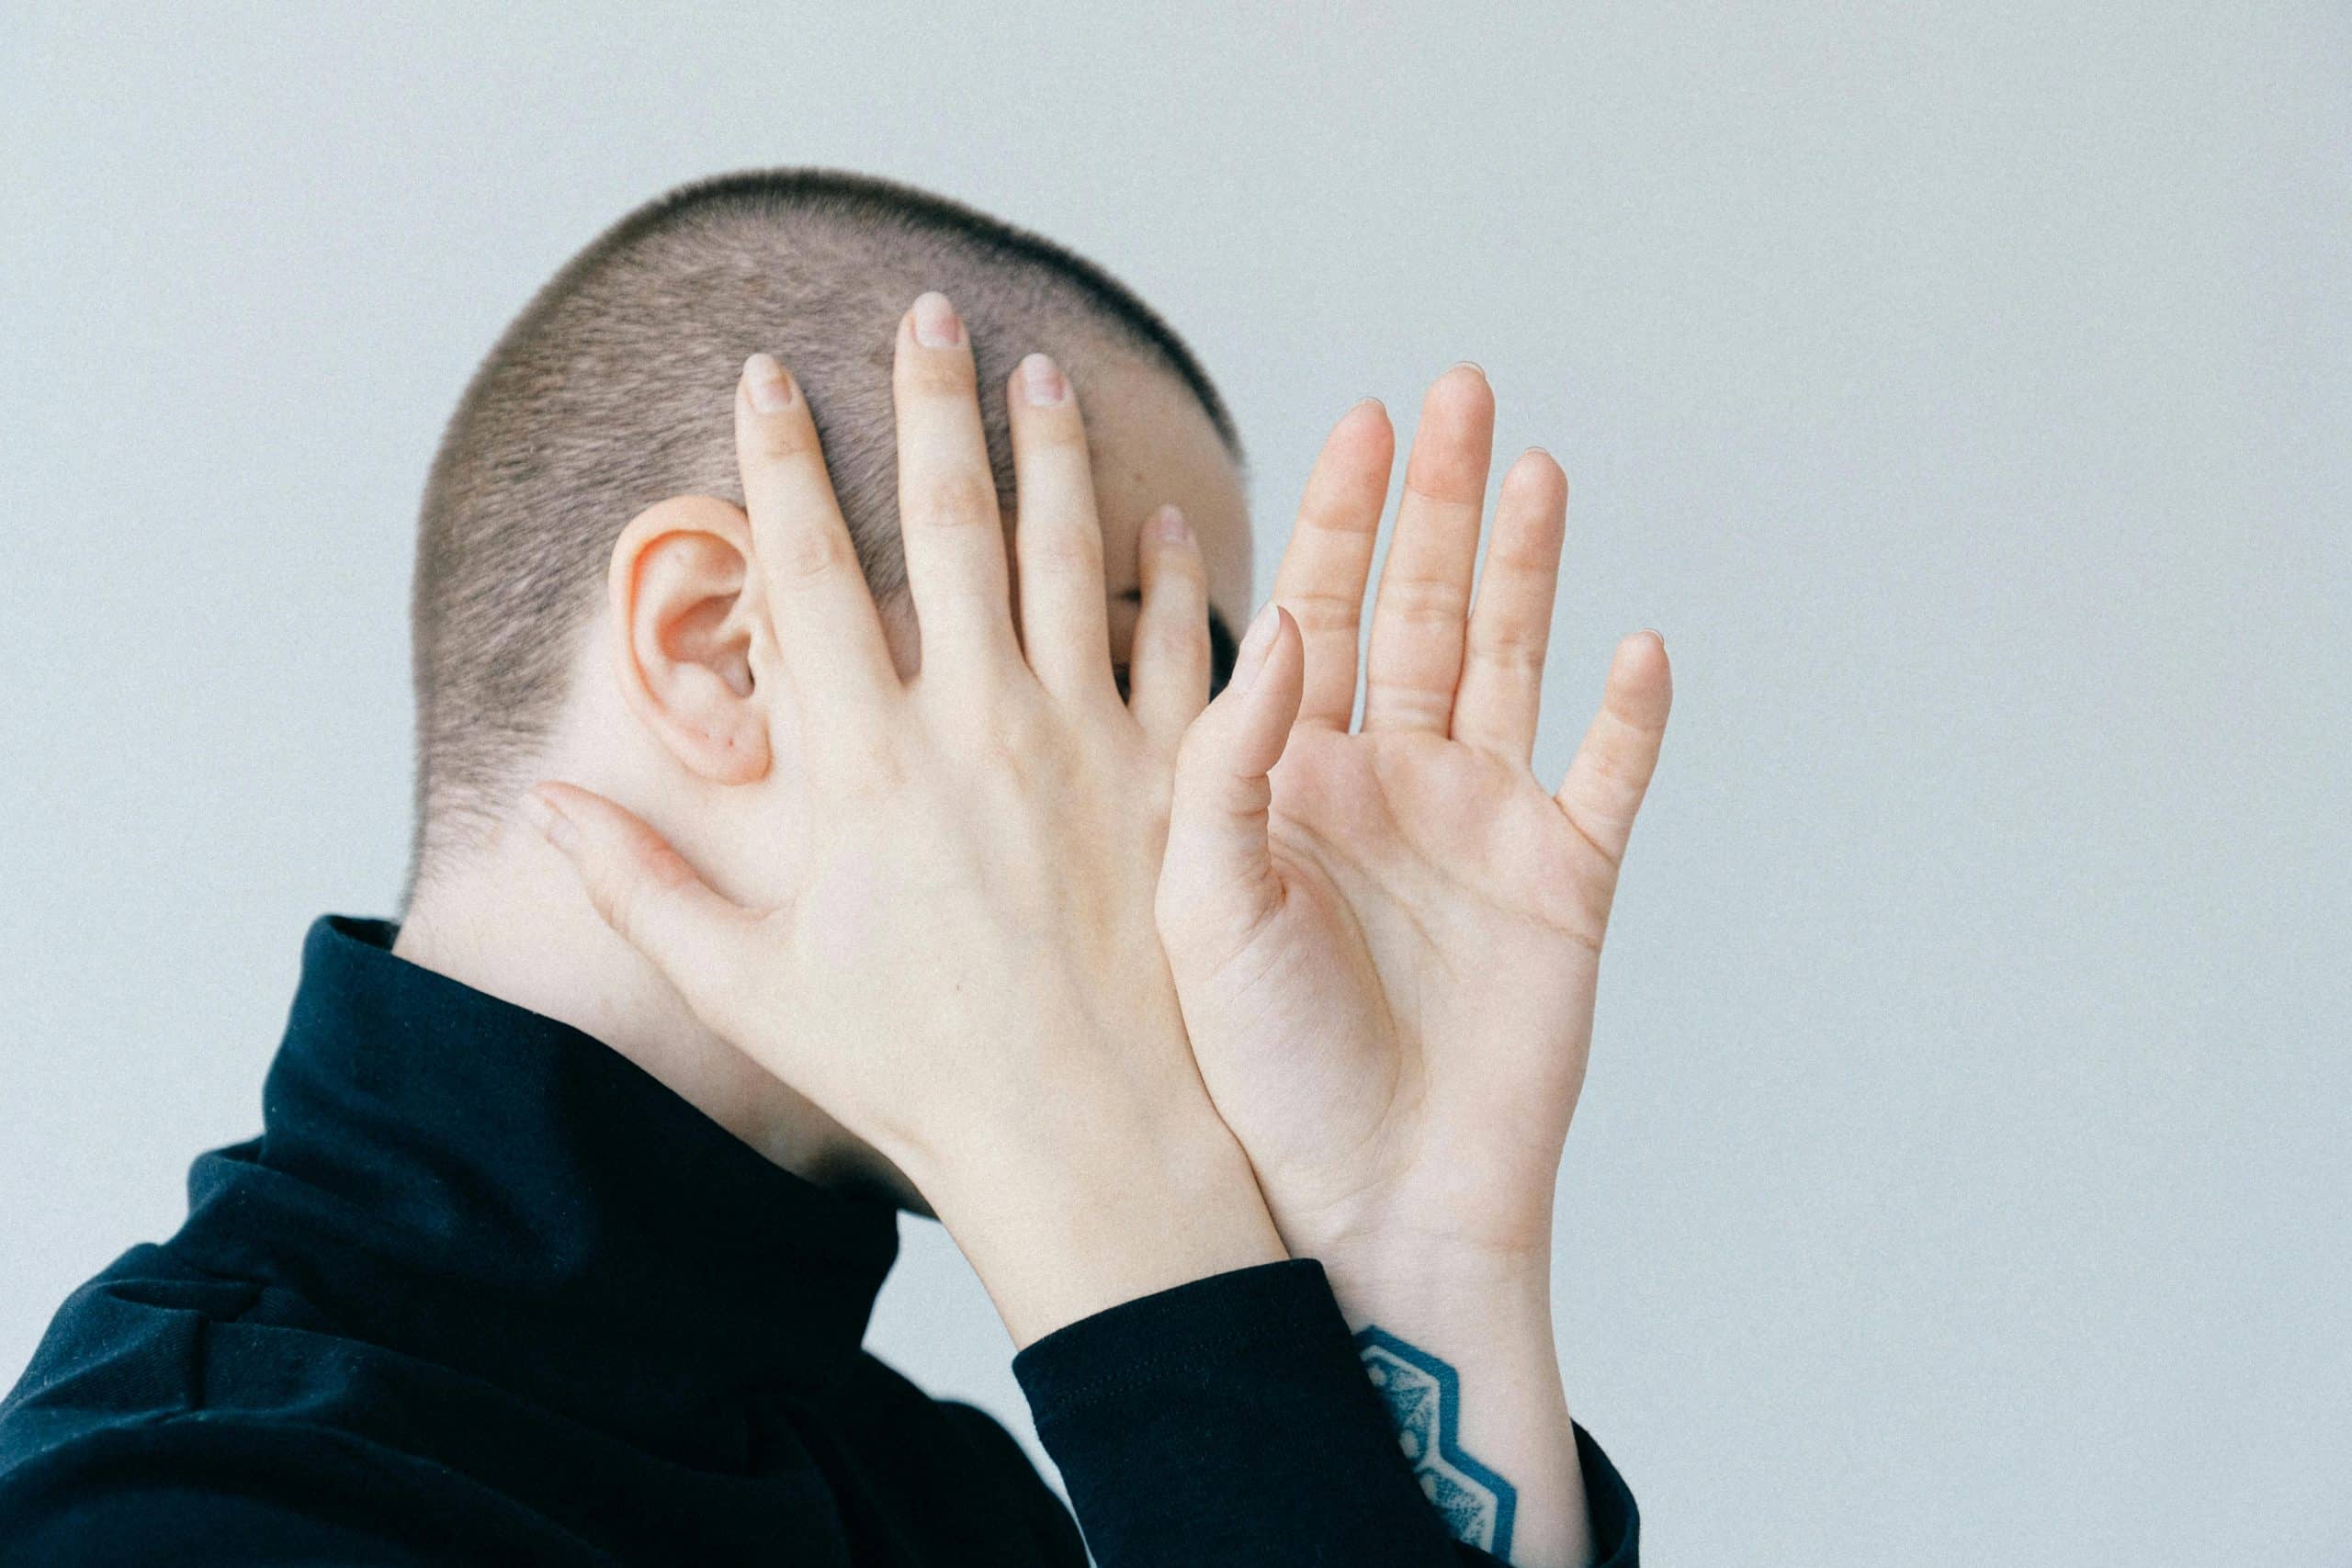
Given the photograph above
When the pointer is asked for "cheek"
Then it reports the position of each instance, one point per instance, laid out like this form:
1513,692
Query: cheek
1225,556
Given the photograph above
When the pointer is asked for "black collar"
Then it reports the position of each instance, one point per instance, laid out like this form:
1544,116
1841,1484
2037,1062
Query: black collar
456,1177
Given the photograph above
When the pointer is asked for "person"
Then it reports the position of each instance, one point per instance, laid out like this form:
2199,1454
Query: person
1235,1042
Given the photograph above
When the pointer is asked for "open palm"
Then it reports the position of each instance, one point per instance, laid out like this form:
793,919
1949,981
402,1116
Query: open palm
1386,938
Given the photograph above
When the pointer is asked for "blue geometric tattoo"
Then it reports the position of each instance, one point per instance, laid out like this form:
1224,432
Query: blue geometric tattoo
1424,1399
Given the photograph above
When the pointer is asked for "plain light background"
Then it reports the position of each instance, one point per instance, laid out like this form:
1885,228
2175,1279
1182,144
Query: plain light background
1964,389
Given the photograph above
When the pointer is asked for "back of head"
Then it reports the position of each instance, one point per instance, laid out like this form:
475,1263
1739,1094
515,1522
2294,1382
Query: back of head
612,390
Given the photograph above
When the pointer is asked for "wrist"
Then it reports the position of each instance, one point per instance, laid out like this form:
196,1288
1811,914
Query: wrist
1394,1216
1432,1285
1061,1228
1407,1247
1479,1327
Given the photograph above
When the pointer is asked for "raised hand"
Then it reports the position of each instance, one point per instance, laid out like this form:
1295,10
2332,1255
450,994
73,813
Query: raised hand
1386,937
961,964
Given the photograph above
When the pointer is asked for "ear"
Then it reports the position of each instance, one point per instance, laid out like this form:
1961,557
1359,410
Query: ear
679,588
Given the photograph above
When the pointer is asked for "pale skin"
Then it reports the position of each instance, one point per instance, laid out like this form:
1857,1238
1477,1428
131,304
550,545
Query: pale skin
662,675
1355,1029
1386,942
952,951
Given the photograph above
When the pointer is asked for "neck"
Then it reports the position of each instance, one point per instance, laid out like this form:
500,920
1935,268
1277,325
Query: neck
509,920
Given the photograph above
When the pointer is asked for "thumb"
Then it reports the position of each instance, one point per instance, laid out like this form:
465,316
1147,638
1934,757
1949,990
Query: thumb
647,893
1217,868
1612,769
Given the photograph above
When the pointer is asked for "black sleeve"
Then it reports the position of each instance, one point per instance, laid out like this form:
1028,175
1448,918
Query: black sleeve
1230,1421
193,1494
200,1490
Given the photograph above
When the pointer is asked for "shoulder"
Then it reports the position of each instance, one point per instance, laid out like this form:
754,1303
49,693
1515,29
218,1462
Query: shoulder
202,1489
128,1346
114,1446
152,1337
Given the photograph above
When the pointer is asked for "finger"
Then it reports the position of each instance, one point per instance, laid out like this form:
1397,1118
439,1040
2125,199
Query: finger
1329,556
953,536
647,891
1415,656
1501,695
828,635
1612,768
1057,538
1218,880
1167,668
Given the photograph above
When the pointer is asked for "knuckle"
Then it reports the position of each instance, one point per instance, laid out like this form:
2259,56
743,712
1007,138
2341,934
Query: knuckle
1525,553
1064,548
958,500
666,870
1449,495
1419,599
1010,743
1178,642
1518,650
809,553
1022,737
1200,757
624,910
1316,611
1620,773
1343,517
1234,794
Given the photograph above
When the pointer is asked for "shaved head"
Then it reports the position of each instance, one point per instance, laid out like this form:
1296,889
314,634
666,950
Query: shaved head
612,391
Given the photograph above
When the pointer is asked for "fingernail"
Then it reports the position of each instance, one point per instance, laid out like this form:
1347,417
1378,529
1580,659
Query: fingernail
764,380
1170,526
1256,644
936,323
1042,382
1470,365
548,818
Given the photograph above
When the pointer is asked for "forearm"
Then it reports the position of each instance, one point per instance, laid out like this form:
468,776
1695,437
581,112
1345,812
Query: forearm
1462,1353
1104,1219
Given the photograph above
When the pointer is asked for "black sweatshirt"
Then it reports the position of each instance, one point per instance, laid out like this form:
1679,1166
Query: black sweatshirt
483,1291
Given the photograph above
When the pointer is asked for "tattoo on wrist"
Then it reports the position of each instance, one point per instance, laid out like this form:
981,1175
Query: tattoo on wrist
1424,1399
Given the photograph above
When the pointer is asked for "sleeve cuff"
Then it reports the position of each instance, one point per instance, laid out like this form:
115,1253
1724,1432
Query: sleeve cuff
1228,1420
1174,1336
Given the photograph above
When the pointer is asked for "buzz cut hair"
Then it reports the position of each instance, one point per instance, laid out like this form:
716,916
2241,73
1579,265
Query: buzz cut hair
613,390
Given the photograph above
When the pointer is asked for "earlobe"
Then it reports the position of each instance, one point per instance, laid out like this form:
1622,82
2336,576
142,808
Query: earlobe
683,610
